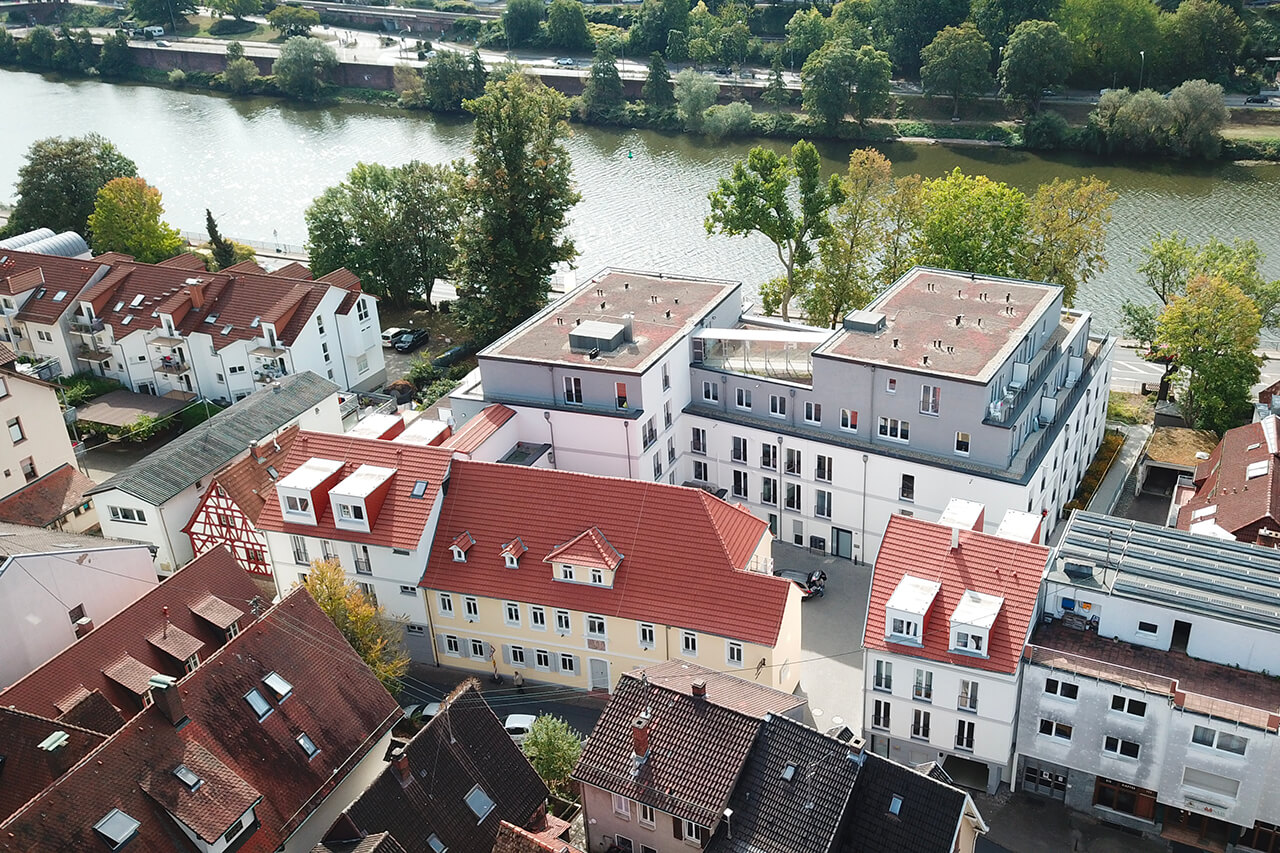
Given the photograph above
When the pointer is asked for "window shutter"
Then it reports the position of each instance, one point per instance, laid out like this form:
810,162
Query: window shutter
555,661
676,829
704,835
465,643
574,658
440,646
506,653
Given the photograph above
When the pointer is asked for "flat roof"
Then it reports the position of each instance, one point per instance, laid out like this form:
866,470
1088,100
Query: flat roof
662,308
364,481
977,609
962,513
421,431
913,595
374,425
922,308
1019,526
311,473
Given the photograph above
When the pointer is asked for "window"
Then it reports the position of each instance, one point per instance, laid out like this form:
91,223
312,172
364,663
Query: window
369,592
471,607
700,472
895,429
436,845
698,444
904,628
415,629
1225,741
812,412
646,636
362,310
573,390
743,399
1054,687
1261,836
968,698
964,735
920,724
1148,628
823,469
689,643
733,653
15,431
884,675
117,828
517,655
28,467
512,613
666,377
769,456
1126,798
562,622
711,392
671,451
777,406
235,369
445,602
294,503
849,420
128,514
477,649
769,491
625,845
1210,782
923,688
479,802
538,618
739,449
258,703
620,391
542,659
299,545
794,461
962,443
595,626
320,323
740,485
351,512
622,807
880,714
907,490
43,335
307,745
822,503
1125,705
666,415
1116,746
644,814
235,830
76,613
968,642
1055,729
362,364
566,573
324,350
891,385
569,664
649,433
452,646
191,663
930,399
793,496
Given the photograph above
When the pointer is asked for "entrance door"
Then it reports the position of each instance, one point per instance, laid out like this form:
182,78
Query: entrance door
1181,636
842,543
599,674
1045,781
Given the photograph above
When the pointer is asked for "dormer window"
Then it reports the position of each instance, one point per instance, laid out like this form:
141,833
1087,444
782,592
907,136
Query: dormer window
566,573
907,609
905,628
461,545
511,552
972,620
597,577
968,642
351,512
293,503
459,555
511,561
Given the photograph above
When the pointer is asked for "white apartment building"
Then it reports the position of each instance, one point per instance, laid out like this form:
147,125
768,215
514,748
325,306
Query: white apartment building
36,441
948,384
1148,699
950,610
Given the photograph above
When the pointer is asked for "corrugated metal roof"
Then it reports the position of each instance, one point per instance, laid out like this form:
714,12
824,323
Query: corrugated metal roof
68,244
214,443
18,241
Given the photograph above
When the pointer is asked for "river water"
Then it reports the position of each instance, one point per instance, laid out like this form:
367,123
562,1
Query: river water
258,163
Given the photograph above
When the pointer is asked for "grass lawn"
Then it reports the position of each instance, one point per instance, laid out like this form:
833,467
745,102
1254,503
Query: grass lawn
1129,408
1251,132
197,26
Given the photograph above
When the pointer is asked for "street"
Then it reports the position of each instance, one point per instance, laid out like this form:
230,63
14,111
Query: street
1129,370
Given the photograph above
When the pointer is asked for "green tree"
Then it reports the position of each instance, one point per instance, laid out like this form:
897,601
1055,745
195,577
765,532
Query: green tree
1067,232
1037,57
115,59
373,635
602,96
1106,36
553,748
303,65
38,48
850,252
75,51
694,94
1211,333
394,227
757,196
60,179
240,75
871,70
1141,123
164,12
972,224
776,93
729,120
649,28
1197,117
1206,39
238,9
827,83
221,249
909,25
807,31
519,192
567,25
235,50
521,20
450,78
735,39
997,19
658,91
677,46
903,209
293,21
126,218
956,63
1171,263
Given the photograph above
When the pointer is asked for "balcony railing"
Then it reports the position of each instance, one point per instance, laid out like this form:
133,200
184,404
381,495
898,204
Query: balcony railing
363,567
172,365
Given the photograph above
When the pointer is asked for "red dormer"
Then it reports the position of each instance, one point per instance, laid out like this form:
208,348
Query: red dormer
357,500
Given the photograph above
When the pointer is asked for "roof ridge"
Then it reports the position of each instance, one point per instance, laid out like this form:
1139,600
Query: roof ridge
18,712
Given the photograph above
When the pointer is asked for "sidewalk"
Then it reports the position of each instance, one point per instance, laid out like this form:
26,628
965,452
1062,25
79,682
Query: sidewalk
1108,493
1021,823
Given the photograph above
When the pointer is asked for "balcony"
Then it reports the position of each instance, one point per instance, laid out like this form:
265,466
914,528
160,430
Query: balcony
93,353
363,567
166,342
88,328
267,353
269,374
172,365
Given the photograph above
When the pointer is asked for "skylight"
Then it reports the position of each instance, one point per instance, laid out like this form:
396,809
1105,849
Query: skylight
1256,469
479,802
211,319
40,293
59,296
307,745
788,772
419,489
119,305
895,805
258,703
117,828
272,472
278,685
137,300
436,845
127,320
188,777
227,329
256,321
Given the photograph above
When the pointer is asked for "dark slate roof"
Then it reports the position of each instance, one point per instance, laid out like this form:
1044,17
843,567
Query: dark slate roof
696,750
201,451
463,746
28,770
926,822
803,813
379,842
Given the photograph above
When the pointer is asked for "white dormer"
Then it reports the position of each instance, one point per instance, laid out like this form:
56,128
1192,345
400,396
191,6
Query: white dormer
512,551
461,544
356,500
907,608
972,620
304,487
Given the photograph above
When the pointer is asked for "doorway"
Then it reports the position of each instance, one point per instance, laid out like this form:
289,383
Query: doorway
1181,636
599,674
842,543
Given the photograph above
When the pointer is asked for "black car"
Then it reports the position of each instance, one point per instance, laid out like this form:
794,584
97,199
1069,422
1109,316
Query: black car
1257,99
811,583
449,357
410,339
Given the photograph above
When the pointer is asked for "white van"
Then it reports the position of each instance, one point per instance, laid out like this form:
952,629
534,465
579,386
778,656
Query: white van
152,32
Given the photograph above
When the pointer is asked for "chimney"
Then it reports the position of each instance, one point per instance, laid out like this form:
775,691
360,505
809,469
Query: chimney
955,538
400,761
196,290
83,626
700,688
628,333
640,738
167,699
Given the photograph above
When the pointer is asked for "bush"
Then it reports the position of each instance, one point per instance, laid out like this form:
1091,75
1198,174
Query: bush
1046,132
240,75
231,27
177,78
728,120
423,373
436,390
80,388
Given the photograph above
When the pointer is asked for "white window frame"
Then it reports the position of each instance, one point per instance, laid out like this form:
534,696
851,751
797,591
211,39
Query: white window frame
812,412
452,646
777,406
895,429
471,608
733,653
564,622
930,400
742,398
444,604
573,390
596,627
641,630
967,441
509,608
537,617
689,643
849,420
710,391
622,807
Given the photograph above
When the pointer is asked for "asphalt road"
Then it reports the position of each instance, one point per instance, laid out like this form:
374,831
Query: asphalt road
1130,371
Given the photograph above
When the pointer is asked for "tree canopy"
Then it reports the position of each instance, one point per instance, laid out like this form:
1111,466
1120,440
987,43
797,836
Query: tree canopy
553,748
126,218
694,93
567,25
449,78
364,624
293,21
658,91
956,63
303,65
1037,57
59,181
602,97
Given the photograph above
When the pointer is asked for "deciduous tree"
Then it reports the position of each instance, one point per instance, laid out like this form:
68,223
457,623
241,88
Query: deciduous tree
293,21
1067,232
1204,39
694,93
303,66
115,59
1106,36
60,180
972,224
553,748
161,11
240,75
567,25
521,20
871,70
1197,115
807,31
998,19
909,25
373,635
449,78
518,195
757,198
1037,57
827,83
126,218
238,9
956,63
1171,263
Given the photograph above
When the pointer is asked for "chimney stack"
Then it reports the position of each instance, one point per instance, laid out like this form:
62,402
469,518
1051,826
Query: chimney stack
955,537
400,760
700,688
640,737
83,626
168,700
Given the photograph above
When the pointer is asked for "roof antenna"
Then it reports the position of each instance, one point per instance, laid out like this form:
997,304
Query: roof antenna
166,622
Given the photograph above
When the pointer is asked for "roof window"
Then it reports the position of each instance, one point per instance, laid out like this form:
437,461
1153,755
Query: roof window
188,777
256,321
119,305
117,828
308,746
127,320
436,845
211,319
788,773
895,805
137,300
419,489
226,330
278,685
59,296
479,802
1256,469
258,703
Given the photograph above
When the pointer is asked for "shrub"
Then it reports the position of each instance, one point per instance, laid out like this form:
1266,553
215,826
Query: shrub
240,75
177,78
80,388
1046,132
231,26
728,120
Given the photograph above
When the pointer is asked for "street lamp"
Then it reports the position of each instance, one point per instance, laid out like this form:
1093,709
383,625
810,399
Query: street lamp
1142,69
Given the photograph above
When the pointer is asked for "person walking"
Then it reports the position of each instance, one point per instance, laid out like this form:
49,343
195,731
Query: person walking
518,680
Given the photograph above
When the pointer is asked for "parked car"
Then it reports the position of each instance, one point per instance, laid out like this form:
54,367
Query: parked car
410,339
1257,99
389,336
449,357
811,583
1048,93
161,43
566,62
518,726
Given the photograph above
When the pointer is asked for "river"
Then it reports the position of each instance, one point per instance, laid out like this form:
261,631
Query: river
258,163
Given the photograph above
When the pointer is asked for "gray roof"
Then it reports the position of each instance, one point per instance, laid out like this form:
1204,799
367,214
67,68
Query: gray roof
19,539
929,811
201,451
68,244
18,241
1226,579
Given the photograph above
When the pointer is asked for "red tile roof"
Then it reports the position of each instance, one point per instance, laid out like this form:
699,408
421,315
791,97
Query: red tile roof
1222,481
22,271
248,482
479,429
589,548
983,563
682,548
336,701
48,498
513,839
84,666
293,269
402,520
28,770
